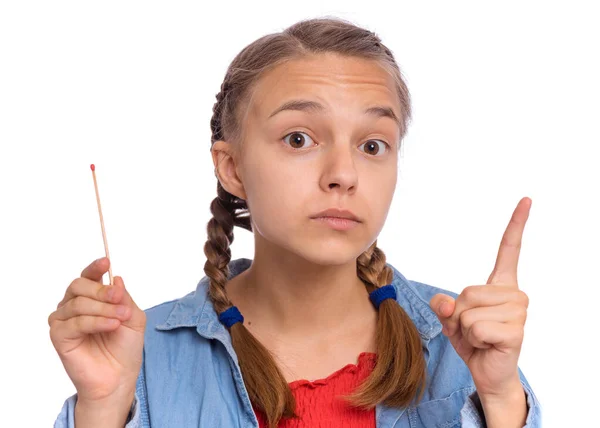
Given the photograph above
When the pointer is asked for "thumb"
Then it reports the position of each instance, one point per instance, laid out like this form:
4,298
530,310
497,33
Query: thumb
137,321
443,306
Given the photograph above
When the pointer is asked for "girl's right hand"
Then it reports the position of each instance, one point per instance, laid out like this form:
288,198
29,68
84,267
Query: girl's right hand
100,348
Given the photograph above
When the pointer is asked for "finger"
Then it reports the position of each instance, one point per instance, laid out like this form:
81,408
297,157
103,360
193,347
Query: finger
76,327
506,313
137,320
92,289
476,296
442,305
85,306
505,269
482,334
93,272
96,270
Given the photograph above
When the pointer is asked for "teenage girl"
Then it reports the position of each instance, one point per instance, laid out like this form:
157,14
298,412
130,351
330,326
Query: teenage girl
317,330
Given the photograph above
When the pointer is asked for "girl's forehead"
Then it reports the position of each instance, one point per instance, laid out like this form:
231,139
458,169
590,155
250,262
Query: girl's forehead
330,78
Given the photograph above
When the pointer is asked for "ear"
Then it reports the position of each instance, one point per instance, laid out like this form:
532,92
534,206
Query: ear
225,168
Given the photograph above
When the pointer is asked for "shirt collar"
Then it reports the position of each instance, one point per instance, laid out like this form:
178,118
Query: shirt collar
196,310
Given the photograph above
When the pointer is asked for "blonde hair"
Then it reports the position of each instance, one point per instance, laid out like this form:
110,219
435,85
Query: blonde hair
399,374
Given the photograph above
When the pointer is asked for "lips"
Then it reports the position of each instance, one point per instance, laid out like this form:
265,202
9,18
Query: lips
337,213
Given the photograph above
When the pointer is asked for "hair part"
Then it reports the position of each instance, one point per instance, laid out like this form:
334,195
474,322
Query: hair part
399,375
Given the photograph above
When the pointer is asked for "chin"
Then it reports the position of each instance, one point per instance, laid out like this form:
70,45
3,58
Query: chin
329,251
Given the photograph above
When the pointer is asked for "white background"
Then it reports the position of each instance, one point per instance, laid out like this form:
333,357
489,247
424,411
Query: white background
506,105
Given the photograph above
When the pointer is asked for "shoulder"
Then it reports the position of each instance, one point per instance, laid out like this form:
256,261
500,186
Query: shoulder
161,311
190,316
166,312
414,297
425,291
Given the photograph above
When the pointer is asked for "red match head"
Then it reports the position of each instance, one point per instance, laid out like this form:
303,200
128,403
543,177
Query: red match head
93,167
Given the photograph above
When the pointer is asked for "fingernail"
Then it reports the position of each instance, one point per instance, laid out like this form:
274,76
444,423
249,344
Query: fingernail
121,310
110,293
98,260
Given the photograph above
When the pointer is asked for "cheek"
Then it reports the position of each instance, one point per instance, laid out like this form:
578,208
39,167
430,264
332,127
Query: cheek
275,194
377,193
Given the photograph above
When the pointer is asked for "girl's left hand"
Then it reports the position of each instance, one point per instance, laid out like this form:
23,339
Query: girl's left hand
485,324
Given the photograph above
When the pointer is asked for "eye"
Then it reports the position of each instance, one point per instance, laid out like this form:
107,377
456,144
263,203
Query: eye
297,139
375,147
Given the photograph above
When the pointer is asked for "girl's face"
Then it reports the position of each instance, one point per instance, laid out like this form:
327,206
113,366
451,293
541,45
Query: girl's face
334,146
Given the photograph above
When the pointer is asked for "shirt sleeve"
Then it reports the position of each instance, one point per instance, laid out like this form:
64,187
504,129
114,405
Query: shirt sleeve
66,417
134,418
472,415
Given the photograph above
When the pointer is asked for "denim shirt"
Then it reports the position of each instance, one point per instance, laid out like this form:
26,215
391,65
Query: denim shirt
190,375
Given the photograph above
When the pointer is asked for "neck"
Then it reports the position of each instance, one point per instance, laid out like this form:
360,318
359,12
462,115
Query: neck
285,294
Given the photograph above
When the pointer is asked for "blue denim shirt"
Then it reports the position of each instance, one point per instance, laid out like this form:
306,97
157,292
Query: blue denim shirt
190,375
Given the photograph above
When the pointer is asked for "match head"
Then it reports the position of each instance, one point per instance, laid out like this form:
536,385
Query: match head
92,167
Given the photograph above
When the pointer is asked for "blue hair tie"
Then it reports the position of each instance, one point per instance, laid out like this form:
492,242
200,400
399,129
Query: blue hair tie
382,293
231,316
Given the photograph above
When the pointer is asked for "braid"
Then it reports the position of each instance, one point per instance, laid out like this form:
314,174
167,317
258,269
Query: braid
399,374
218,253
372,269
216,120
236,208
220,237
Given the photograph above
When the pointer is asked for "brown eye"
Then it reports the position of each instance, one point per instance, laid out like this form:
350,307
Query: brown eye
374,147
297,140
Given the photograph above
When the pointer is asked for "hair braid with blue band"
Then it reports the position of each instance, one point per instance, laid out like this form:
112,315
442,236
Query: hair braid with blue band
381,294
231,316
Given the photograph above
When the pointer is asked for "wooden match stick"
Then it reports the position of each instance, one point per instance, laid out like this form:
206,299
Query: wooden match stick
110,277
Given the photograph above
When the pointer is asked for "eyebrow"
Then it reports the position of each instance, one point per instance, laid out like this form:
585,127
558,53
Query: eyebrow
314,107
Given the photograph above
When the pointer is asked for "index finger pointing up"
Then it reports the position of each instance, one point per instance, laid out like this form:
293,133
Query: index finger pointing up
505,270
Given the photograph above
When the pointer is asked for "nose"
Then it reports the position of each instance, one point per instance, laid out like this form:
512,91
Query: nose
339,172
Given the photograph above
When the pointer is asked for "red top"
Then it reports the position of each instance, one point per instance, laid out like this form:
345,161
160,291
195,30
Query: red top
317,405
